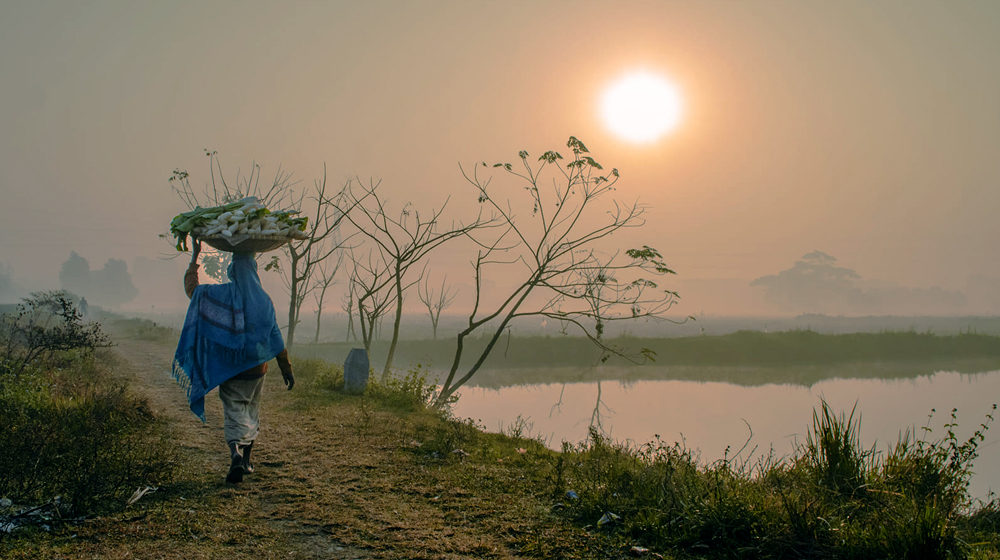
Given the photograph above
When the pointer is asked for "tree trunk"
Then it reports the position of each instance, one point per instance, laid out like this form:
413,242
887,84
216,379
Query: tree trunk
395,327
319,315
319,310
292,303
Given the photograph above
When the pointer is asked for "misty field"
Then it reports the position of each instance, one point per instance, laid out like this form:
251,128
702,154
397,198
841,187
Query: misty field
744,357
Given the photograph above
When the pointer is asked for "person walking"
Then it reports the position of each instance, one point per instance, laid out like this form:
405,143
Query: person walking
229,334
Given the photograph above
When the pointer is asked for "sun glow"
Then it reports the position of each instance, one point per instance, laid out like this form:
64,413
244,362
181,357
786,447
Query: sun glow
641,107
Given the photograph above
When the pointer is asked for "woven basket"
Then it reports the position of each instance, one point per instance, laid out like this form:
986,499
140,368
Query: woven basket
247,243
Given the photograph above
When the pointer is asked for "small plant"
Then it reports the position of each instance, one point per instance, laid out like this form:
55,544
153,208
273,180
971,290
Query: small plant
935,471
520,428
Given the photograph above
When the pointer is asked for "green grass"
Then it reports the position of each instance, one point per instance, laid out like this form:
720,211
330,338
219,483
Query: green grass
744,348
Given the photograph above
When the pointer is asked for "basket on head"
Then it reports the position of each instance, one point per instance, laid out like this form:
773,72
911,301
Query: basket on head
248,243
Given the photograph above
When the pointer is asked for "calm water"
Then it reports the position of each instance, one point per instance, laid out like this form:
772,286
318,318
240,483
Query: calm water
712,416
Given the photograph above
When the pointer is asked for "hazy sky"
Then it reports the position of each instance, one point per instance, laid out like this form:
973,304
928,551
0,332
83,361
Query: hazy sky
865,130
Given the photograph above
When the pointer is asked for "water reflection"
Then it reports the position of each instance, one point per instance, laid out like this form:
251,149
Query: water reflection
714,416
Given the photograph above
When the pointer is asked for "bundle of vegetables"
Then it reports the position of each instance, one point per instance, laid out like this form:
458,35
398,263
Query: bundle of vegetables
245,217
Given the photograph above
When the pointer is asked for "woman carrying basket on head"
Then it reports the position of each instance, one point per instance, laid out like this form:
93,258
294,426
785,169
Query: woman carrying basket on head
229,335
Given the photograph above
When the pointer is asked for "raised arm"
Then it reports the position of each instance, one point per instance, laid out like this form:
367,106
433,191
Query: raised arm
191,276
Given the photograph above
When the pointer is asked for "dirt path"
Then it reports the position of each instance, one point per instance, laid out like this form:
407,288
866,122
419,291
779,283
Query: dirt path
332,480
267,498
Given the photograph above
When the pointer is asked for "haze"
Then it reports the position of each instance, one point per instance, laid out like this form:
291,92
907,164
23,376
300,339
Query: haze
867,131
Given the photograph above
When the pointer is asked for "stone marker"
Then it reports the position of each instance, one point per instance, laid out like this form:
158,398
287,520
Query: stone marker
356,371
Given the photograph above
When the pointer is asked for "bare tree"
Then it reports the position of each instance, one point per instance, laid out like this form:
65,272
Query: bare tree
564,276
304,256
347,304
278,192
371,282
327,277
436,303
403,240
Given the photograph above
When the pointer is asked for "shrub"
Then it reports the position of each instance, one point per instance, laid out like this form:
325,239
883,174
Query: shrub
45,323
149,330
405,394
80,435
70,428
321,374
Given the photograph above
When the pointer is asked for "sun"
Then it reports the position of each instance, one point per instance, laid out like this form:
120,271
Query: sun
641,107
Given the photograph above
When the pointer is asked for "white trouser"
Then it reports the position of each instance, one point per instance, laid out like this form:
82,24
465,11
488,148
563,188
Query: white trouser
241,405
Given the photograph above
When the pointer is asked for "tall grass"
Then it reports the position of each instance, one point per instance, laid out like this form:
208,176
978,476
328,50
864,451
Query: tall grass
832,453
831,499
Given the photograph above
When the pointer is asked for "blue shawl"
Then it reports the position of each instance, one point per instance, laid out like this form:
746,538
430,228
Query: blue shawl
229,328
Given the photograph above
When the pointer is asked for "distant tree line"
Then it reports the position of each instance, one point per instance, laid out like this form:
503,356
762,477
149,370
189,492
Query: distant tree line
110,286
815,284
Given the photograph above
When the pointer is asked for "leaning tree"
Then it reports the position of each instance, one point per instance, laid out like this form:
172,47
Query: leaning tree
556,252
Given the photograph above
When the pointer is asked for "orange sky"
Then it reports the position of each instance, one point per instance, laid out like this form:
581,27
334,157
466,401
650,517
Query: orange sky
865,130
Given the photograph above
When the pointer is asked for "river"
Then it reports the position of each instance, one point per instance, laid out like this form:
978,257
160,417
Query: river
715,416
